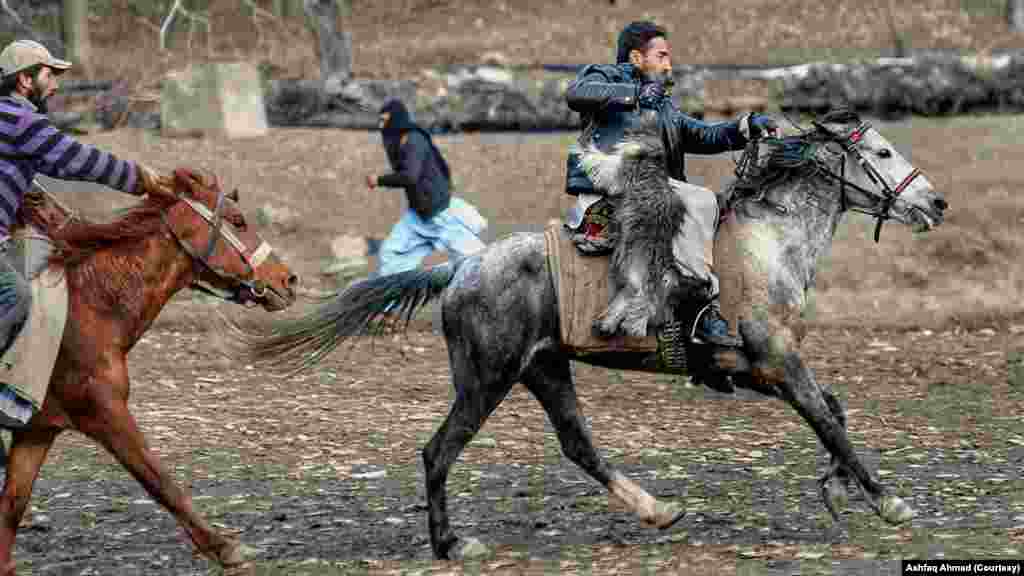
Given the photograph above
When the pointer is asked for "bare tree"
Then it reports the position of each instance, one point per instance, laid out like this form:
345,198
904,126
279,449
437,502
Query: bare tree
23,29
75,28
335,44
1015,15
287,8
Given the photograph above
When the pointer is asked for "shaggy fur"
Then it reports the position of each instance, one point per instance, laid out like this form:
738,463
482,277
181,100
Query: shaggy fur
645,279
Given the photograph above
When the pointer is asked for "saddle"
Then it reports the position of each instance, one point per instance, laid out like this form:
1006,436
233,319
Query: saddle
28,364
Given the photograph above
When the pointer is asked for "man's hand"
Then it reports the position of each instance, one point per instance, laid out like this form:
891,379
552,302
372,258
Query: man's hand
651,95
762,126
153,184
371,181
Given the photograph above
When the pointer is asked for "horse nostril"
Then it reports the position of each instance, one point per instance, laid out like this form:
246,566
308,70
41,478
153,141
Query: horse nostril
293,281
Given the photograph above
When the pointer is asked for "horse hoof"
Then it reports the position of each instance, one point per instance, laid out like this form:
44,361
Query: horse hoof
469,549
895,511
232,557
666,515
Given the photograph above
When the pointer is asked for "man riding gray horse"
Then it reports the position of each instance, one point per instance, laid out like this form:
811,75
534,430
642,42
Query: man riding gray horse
613,100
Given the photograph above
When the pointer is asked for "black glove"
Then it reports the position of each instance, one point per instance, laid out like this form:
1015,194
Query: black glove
762,126
651,95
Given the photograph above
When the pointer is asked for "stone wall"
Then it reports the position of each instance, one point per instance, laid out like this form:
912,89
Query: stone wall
488,98
482,98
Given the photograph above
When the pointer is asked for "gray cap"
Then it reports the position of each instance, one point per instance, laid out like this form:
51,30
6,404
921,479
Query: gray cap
24,54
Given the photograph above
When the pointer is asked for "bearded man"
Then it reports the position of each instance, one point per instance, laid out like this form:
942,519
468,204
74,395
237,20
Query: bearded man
613,99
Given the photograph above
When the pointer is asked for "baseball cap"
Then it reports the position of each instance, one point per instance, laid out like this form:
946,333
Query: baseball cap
23,54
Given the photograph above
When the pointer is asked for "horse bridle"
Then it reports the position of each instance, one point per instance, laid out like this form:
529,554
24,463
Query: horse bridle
245,290
889,194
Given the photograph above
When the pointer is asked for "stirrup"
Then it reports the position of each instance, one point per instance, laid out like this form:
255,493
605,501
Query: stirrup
728,341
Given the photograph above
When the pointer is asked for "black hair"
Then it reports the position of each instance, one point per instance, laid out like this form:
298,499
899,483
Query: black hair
635,36
10,81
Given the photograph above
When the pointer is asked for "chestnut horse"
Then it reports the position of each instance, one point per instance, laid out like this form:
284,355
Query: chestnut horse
119,276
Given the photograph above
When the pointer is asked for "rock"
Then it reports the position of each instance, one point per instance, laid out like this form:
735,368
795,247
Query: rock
472,549
339,103
349,247
495,75
495,58
216,97
485,443
283,217
349,259
495,96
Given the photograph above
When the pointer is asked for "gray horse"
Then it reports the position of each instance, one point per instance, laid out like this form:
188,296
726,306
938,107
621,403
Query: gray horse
501,322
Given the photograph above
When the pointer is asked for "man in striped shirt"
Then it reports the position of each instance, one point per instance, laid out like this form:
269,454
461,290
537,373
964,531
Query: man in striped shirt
29,144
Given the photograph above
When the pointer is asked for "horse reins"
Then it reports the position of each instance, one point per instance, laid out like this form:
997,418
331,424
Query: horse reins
247,289
890,194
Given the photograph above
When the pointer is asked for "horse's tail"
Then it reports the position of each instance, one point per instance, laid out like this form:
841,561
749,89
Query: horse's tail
301,342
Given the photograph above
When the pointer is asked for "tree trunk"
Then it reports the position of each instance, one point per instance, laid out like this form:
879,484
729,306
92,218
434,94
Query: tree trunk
75,26
288,9
335,45
1015,15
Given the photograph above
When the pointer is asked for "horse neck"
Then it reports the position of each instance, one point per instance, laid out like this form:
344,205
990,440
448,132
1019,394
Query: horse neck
813,212
132,280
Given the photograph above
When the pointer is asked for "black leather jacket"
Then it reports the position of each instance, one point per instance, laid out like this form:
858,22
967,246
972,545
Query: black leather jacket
605,96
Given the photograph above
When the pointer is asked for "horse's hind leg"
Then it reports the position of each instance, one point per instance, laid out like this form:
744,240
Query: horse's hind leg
477,393
550,381
111,424
28,451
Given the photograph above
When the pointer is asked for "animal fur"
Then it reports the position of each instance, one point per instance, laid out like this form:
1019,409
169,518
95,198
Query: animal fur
645,280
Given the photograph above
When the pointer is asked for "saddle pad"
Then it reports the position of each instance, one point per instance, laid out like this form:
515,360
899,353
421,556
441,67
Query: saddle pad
28,363
581,285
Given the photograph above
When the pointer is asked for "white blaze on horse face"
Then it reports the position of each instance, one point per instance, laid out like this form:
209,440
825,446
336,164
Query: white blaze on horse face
916,197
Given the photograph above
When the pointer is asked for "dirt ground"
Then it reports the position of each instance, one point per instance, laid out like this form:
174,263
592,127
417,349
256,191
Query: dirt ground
321,473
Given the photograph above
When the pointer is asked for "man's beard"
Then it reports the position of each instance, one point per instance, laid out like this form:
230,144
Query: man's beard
35,96
660,77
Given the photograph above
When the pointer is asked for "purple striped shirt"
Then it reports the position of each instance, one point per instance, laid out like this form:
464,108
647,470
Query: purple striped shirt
29,144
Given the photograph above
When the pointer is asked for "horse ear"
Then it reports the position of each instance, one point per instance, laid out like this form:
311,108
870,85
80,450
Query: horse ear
182,179
233,195
187,180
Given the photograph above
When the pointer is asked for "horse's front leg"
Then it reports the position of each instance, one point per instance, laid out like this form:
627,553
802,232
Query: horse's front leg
776,362
109,422
28,451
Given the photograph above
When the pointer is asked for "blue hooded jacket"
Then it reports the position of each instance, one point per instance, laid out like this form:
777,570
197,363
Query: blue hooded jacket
418,165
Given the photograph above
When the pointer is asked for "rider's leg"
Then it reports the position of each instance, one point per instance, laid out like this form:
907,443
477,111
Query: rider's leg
459,228
405,247
15,302
693,248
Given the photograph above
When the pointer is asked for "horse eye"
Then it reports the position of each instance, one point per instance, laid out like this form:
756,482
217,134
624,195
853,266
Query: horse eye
238,221
884,153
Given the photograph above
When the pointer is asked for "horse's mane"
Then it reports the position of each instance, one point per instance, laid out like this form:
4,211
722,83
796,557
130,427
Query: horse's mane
75,238
783,158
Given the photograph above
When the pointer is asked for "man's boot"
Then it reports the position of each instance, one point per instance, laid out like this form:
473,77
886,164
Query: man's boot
711,328
708,325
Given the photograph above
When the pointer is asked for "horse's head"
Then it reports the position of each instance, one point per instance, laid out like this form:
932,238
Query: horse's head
231,259
879,181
